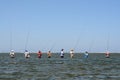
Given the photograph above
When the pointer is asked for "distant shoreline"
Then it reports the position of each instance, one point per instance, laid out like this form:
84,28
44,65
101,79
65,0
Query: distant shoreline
57,53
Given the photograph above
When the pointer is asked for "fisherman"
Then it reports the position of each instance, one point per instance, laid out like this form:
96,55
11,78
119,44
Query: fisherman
39,54
86,54
107,54
71,53
49,54
62,53
12,54
27,54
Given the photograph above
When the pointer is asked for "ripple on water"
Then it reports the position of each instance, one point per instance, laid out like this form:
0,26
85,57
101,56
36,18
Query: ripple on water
55,68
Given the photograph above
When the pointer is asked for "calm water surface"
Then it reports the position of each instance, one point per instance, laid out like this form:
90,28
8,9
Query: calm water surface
95,67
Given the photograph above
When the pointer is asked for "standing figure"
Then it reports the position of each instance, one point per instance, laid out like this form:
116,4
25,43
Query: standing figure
12,54
71,53
39,54
49,54
27,54
62,53
86,54
107,54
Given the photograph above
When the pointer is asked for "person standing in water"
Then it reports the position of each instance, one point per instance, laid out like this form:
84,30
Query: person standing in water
86,54
12,54
27,54
71,53
39,54
62,53
107,54
49,54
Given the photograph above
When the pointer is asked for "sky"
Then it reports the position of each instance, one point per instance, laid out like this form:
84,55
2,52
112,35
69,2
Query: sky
82,25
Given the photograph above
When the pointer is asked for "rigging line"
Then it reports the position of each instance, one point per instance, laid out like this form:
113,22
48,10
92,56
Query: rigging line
52,46
77,41
11,40
108,42
91,45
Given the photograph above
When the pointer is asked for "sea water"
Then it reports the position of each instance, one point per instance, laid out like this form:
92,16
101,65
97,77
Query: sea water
95,67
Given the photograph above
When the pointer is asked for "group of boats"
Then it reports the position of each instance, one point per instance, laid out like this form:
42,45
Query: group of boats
39,54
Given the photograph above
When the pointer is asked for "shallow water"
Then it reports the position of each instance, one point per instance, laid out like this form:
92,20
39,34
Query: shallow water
95,67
